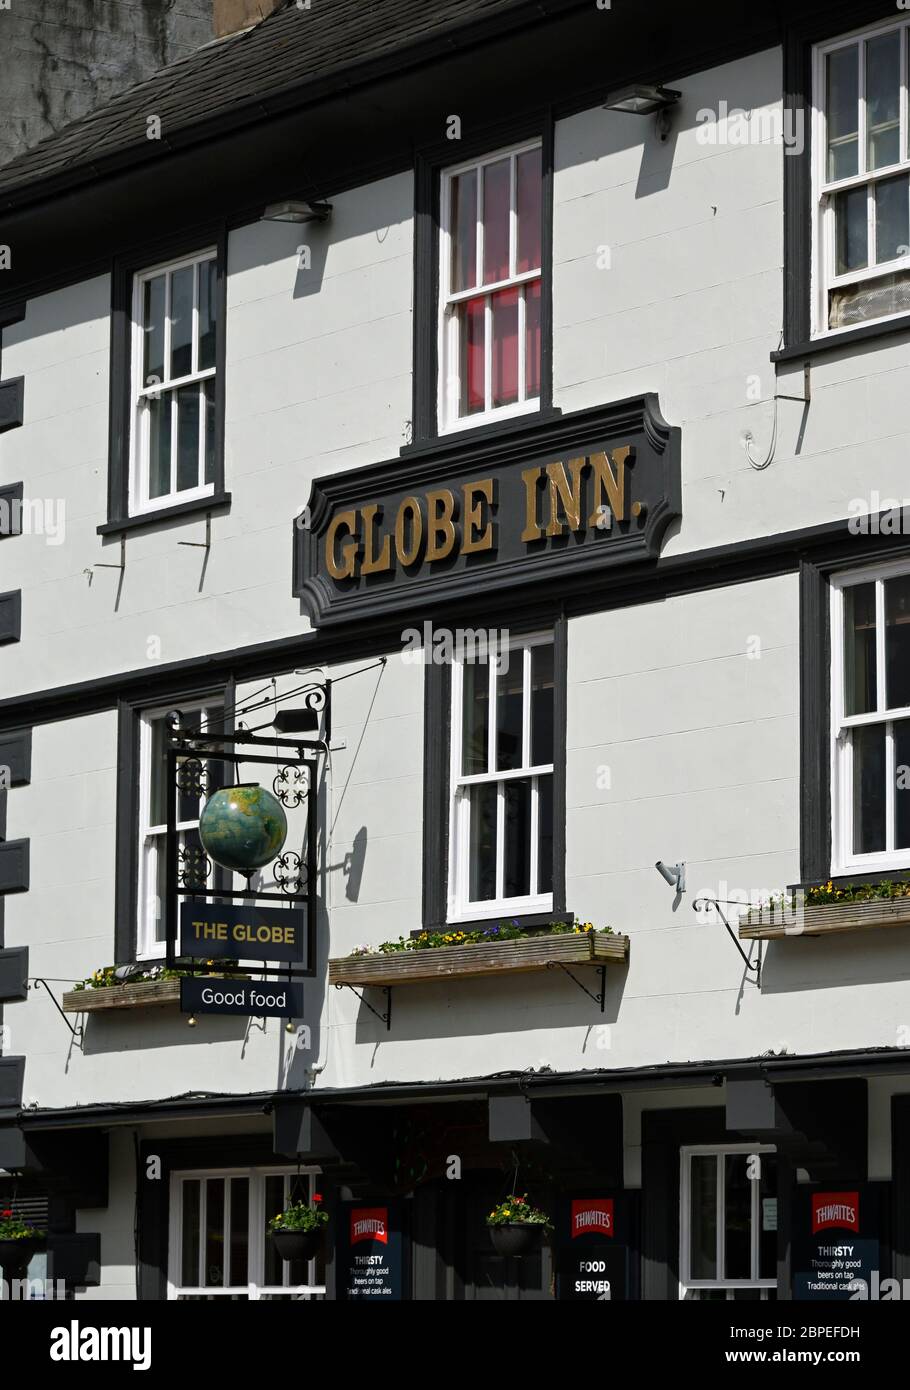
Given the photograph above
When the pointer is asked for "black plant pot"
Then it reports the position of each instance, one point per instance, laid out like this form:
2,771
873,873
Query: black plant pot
516,1238
16,1254
297,1245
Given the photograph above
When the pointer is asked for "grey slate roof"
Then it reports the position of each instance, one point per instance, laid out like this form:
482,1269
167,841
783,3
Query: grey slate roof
294,48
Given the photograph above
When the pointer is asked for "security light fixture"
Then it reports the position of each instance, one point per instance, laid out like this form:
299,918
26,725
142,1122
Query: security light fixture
643,99
674,874
297,210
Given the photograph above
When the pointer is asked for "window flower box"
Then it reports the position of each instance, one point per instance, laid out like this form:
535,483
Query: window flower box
145,994
477,960
822,919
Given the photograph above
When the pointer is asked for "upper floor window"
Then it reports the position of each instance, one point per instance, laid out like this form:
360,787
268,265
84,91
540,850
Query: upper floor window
490,288
173,432
862,179
153,822
870,719
501,815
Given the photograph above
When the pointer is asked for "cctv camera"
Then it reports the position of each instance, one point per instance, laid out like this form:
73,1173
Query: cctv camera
674,874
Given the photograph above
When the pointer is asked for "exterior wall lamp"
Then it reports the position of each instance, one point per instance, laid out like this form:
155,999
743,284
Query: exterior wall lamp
297,210
642,99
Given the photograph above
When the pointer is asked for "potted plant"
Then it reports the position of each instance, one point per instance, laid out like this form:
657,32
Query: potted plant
297,1231
18,1243
516,1228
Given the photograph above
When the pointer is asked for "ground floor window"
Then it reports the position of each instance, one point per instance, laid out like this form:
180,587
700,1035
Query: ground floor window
218,1242
728,1222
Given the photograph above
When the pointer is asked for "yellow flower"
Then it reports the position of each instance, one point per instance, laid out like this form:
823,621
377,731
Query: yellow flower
506,1211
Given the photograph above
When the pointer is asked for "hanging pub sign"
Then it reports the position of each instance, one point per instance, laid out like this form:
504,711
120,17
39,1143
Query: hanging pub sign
593,1239
554,503
370,1252
215,931
837,1242
200,994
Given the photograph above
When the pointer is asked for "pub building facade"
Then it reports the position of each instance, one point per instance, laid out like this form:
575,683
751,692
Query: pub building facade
485,430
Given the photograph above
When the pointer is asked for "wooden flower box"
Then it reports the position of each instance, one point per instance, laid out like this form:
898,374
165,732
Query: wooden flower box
474,961
145,994
828,918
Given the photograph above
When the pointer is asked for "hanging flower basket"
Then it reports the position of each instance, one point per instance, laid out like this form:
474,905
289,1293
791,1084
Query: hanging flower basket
18,1243
516,1238
297,1245
297,1232
517,1228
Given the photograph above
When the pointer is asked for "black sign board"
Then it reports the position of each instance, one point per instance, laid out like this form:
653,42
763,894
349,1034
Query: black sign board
370,1251
214,931
201,994
592,1242
837,1242
558,502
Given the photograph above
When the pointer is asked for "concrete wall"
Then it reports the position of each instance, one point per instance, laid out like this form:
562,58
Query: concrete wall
61,58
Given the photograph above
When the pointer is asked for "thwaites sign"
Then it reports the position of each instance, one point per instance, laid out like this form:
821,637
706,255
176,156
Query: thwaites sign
593,1238
552,504
370,1253
837,1242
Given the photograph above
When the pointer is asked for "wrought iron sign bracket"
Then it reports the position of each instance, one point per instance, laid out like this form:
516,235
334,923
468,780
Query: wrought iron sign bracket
190,756
385,1018
715,903
76,1031
600,998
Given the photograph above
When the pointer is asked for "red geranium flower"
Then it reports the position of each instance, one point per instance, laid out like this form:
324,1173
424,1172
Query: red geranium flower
7,1212
317,1196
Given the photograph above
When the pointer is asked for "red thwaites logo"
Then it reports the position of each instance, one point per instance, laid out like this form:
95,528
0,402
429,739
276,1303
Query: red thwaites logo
835,1209
370,1223
592,1214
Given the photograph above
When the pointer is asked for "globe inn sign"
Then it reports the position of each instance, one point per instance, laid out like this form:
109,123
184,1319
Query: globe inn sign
578,494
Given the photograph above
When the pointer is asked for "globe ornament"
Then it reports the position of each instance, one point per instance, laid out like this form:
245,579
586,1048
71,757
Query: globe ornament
242,828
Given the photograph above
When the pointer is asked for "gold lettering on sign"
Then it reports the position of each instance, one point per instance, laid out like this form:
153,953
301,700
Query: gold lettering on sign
409,510
532,531
440,510
374,564
341,568
473,517
560,492
609,483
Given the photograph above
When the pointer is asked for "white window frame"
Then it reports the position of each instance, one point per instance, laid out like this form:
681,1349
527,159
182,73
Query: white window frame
843,859
823,189
460,907
147,947
687,1284
254,1289
141,393
449,384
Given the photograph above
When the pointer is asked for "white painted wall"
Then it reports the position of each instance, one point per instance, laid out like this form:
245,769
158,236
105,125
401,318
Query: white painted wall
318,378
700,738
